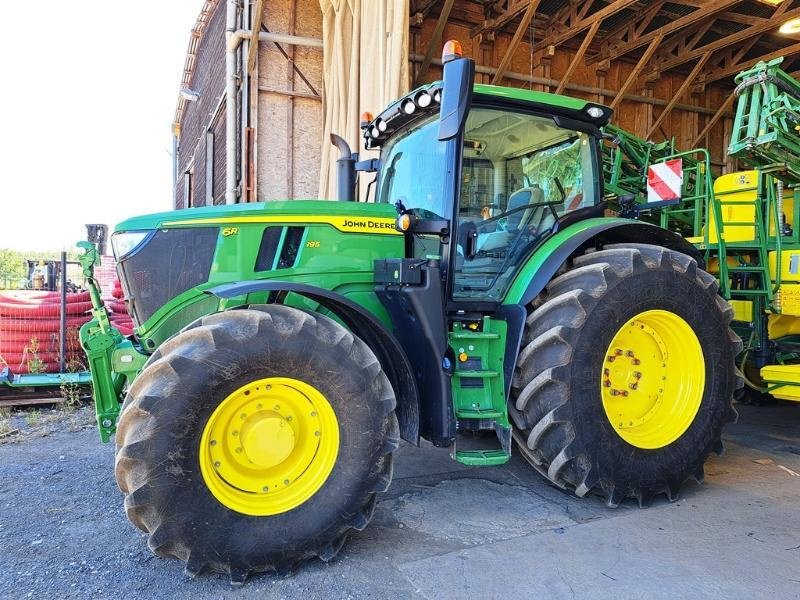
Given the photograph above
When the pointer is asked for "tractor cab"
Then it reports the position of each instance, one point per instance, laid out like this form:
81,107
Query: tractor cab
502,168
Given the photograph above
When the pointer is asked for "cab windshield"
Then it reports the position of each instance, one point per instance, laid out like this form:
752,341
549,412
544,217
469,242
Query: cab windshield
414,170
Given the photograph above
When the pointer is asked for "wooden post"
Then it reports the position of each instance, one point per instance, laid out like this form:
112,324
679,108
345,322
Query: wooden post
648,54
713,121
579,56
258,16
518,35
679,94
436,41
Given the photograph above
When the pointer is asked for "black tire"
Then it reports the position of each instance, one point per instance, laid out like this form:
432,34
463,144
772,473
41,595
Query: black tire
560,424
157,464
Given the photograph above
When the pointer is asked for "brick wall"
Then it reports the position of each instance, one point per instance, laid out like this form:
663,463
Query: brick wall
208,79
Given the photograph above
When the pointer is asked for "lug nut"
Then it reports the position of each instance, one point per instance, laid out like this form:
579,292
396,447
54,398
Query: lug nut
607,383
637,374
635,361
633,386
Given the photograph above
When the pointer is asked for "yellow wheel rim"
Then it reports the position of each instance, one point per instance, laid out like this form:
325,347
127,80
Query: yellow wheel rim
652,379
269,446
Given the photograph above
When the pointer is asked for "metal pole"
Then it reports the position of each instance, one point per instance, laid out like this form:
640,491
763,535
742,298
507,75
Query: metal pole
230,103
62,338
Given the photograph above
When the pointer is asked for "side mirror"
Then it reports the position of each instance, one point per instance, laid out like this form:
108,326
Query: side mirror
459,77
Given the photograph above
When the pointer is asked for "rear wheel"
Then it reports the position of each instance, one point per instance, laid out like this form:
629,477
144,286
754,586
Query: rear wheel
626,375
254,440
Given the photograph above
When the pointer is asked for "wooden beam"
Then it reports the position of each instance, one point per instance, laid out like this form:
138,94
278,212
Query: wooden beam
578,56
742,36
731,70
681,91
576,28
290,93
512,46
258,17
501,20
582,89
648,54
436,41
713,121
710,8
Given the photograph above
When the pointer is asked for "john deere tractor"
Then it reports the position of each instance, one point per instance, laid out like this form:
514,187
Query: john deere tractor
481,300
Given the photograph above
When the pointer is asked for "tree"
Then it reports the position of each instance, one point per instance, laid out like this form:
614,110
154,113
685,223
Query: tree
12,267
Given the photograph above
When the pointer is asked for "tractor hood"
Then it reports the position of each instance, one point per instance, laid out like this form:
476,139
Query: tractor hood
345,216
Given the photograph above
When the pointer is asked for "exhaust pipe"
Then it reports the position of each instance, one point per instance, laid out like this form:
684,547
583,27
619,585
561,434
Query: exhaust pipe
345,170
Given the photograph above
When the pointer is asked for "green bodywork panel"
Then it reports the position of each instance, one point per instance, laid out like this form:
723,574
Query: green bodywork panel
523,277
532,97
328,257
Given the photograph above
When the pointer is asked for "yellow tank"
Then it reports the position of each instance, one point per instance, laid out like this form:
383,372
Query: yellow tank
741,186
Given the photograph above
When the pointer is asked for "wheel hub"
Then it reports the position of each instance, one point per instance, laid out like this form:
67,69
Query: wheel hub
653,378
269,446
267,440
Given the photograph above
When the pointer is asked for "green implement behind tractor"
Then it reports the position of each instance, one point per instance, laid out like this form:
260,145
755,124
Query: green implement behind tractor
483,300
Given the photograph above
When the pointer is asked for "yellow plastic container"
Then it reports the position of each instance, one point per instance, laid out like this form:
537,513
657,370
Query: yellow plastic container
741,186
790,266
788,374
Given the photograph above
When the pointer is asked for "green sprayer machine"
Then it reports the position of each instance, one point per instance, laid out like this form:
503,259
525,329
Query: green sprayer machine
484,300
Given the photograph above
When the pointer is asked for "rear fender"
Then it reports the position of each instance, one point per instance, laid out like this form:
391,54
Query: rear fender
546,260
362,323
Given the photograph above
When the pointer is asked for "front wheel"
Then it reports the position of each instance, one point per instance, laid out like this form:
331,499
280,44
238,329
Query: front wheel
256,439
626,376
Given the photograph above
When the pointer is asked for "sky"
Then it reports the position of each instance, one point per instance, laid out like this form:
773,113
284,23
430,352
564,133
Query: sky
87,98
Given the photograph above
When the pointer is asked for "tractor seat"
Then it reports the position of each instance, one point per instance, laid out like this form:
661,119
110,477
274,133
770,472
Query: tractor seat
501,239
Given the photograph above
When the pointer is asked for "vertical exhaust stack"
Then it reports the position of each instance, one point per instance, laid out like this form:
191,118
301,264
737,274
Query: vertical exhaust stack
345,170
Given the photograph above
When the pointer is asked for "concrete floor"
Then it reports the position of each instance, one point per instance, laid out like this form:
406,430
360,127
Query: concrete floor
442,531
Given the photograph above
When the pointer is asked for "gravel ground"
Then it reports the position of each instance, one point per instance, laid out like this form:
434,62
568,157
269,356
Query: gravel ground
442,530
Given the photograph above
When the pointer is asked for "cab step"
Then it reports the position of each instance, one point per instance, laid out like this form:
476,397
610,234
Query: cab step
482,458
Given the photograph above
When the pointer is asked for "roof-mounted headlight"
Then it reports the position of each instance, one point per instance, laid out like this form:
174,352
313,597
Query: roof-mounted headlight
408,106
595,112
423,99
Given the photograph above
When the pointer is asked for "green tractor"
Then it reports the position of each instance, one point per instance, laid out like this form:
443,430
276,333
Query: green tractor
482,299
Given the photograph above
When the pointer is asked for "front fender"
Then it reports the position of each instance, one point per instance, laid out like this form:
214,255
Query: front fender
362,323
545,261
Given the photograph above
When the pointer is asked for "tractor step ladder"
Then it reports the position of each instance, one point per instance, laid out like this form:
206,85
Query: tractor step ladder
749,276
479,398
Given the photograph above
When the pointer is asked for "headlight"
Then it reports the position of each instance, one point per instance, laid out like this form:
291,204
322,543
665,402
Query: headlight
374,132
408,106
423,99
382,125
437,96
125,242
595,112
